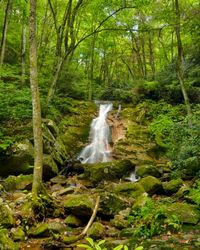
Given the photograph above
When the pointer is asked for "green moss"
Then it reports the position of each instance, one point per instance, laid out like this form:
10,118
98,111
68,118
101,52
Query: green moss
186,213
6,216
5,242
146,170
18,234
111,204
79,204
172,186
119,222
18,182
96,231
107,171
129,189
151,184
73,221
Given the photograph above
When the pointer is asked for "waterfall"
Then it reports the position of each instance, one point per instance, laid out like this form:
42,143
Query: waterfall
99,149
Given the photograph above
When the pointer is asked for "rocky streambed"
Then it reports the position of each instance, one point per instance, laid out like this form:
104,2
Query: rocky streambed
156,211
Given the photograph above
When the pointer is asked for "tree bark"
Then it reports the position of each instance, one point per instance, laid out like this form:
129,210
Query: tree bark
37,121
151,57
180,59
23,52
4,32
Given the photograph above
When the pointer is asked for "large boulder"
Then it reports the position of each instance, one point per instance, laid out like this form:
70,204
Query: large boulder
96,231
19,182
79,204
111,204
146,170
186,213
151,184
19,160
172,186
131,189
114,170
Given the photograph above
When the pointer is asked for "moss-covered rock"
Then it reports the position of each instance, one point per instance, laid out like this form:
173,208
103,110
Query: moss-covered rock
111,204
5,242
50,168
186,213
73,221
129,189
146,170
151,184
172,186
79,204
17,234
96,231
19,160
19,182
45,229
6,216
119,222
140,201
107,171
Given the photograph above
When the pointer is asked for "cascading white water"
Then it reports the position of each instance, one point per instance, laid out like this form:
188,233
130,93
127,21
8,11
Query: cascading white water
99,149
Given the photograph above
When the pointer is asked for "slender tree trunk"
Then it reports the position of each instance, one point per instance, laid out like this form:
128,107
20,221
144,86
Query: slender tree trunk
23,52
37,121
4,32
180,59
54,81
144,57
151,57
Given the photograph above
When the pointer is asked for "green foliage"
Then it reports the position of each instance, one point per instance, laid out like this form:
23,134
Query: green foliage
100,245
15,102
194,193
150,220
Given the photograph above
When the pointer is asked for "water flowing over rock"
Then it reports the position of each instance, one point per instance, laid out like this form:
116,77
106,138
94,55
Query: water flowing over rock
99,149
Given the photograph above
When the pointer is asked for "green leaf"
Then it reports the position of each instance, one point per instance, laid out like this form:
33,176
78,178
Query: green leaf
85,246
98,247
118,247
125,248
101,242
90,240
139,248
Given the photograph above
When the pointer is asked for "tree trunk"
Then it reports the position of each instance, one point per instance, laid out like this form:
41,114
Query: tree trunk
4,32
55,77
179,62
151,57
23,52
37,121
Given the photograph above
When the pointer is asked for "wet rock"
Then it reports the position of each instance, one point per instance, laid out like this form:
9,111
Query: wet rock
6,216
79,204
172,186
73,221
19,182
146,170
17,234
186,213
129,189
5,242
107,171
96,231
151,184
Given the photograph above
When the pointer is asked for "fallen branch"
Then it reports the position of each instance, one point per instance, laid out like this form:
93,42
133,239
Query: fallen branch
72,239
